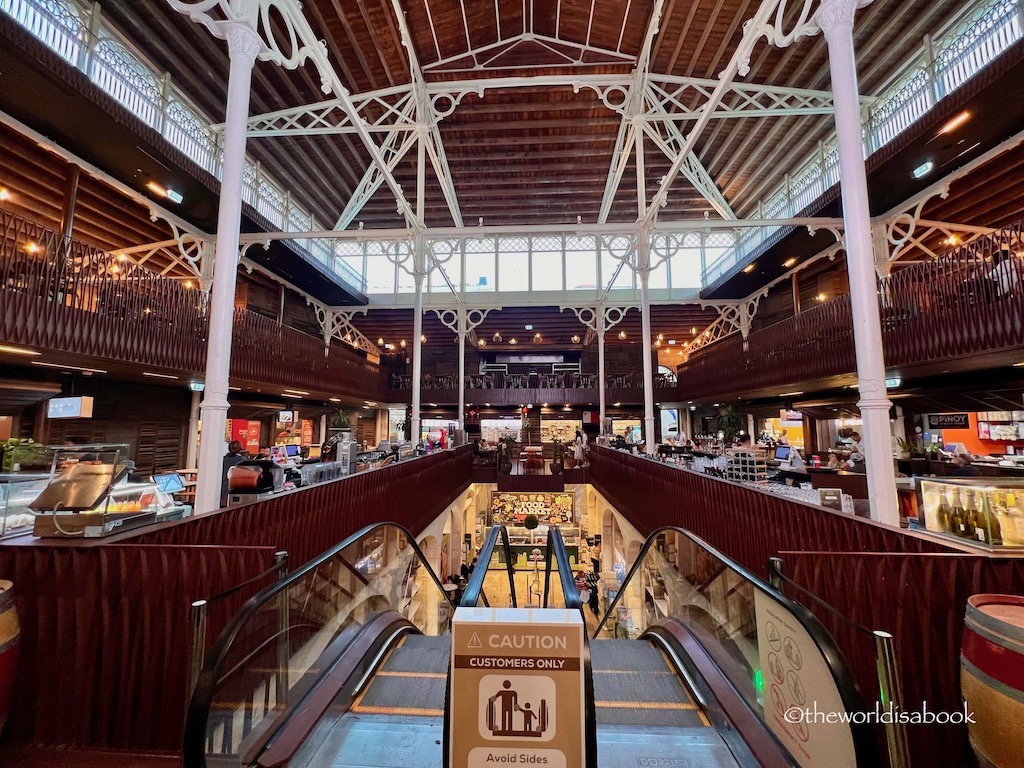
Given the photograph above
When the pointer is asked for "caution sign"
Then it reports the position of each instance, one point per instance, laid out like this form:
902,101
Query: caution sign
520,672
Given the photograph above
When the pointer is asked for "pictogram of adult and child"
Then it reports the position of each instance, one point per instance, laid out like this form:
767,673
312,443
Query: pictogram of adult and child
505,712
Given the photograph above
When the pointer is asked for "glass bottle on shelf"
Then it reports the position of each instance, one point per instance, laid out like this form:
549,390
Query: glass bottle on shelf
1013,532
957,518
944,513
999,513
991,518
970,517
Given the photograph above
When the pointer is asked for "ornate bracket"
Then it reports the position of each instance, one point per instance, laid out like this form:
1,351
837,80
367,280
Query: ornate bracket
908,230
337,324
598,319
732,318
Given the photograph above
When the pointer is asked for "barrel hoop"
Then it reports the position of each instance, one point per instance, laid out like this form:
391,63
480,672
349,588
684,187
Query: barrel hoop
6,600
997,685
982,758
976,617
4,647
996,638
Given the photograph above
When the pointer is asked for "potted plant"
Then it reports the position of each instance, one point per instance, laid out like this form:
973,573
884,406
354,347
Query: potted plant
730,422
505,447
341,421
25,453
905,446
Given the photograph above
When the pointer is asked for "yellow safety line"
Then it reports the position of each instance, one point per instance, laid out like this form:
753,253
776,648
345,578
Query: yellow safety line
438,675
644,705
370,710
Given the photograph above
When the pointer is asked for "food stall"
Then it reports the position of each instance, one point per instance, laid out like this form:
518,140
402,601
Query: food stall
550,509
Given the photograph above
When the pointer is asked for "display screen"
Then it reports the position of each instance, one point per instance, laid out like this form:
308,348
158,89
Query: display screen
170,482
314,452
782,453
292,450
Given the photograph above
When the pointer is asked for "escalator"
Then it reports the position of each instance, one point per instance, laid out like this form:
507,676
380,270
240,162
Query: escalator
346,663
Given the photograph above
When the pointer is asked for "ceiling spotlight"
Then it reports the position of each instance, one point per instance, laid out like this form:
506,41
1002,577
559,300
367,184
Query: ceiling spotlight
5,194
512,342
821,297
537,337
380,342
789,262
952,240
749,268
622,334
402,343
32,248
693,331
423,339
575,338
496,338
481,343
923,170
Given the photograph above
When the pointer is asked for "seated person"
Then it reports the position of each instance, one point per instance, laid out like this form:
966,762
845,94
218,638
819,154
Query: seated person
833,461
964,468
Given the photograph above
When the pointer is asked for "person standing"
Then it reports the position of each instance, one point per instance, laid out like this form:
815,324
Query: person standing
232,458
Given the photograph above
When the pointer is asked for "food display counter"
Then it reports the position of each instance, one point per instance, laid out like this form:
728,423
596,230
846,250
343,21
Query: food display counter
17,491
523,542
986,512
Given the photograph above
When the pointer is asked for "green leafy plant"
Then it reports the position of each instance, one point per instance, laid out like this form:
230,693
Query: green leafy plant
25,452
342,419
730,422
906,446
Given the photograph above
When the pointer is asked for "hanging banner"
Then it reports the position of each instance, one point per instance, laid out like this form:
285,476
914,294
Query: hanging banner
307,431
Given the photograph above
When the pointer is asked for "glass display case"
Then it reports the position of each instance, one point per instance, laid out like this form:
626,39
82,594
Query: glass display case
985,511
17,491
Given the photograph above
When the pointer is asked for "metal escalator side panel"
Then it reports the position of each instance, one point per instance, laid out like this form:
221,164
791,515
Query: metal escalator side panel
474,587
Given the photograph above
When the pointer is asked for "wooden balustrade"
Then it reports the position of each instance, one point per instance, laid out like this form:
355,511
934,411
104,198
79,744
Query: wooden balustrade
945,308
62,296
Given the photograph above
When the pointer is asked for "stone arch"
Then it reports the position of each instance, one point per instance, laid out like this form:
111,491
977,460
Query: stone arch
431,547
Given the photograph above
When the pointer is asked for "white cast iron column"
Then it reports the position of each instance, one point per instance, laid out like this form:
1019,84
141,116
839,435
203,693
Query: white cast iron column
192,446
419,272
601,397
835,18
644,273
243,47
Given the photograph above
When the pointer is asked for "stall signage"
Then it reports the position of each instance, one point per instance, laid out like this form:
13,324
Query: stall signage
949,421
512,508
797,681
307,431
517,677
69,408
787,415
252,437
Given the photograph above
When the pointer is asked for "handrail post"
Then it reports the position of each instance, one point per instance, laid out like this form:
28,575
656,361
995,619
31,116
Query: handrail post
197,651
891,692
775,572
283,653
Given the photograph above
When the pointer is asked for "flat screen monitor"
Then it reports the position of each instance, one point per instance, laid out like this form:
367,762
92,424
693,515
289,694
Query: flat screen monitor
291,450
782,453
314,452
955,448
169,482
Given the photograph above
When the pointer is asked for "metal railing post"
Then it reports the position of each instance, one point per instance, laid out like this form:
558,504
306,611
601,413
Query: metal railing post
891,693
775,572
197,651
283,652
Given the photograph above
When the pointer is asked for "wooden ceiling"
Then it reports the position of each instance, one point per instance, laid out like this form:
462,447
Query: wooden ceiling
531,155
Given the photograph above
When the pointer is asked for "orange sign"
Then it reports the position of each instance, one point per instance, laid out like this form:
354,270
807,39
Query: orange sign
307,431
252,437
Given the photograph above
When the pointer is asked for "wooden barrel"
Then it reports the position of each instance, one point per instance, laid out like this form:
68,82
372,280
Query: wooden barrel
9,634
992,678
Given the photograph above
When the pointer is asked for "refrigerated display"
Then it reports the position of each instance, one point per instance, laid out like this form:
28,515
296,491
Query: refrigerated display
984,511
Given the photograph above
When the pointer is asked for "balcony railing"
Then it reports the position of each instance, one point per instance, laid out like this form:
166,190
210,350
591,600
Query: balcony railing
963,303
59,295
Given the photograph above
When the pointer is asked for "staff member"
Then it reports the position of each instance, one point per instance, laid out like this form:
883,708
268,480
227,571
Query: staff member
232,458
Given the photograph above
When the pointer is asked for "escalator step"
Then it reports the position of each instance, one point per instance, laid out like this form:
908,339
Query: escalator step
420,653
647,714
639,686
632,655
404,694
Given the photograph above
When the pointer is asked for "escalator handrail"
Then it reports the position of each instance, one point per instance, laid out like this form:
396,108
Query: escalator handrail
841,673
475,585
209,677
570,592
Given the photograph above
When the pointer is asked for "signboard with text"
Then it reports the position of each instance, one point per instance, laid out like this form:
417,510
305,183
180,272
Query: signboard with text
512,508
796,679
307,431
517,680
949,421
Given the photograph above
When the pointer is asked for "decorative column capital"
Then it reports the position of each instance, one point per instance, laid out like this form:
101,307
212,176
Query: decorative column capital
835,15
243,41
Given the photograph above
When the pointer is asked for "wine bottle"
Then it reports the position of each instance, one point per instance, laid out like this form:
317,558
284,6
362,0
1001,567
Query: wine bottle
944,513
957,516
995,526
974,527
1014,531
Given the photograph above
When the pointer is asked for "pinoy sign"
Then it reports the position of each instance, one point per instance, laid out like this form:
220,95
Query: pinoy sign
949,421
517,675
